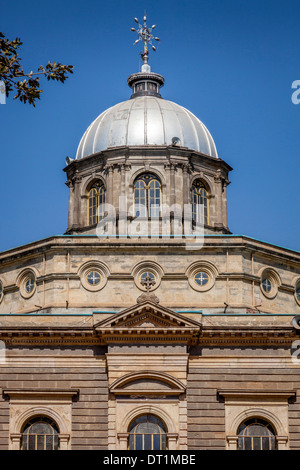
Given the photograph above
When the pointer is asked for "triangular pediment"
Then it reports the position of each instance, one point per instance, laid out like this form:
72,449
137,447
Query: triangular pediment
148,319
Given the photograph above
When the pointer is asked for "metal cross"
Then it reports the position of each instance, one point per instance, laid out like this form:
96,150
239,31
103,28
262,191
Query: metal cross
267,285
145,35
94,277
29,285
148,282
202,277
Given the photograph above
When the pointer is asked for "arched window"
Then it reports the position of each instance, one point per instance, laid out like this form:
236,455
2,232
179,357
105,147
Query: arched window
96,197
147,432
199,202
40,433
256,434
147,196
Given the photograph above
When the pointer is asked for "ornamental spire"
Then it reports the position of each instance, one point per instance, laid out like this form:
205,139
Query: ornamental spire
145,35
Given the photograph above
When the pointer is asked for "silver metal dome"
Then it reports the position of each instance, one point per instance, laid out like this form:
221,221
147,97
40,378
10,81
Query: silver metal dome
146,120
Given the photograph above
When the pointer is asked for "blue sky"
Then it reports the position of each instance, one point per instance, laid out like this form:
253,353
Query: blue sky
230,62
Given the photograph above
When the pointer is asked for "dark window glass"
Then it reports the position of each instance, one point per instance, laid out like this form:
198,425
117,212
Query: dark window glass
95,204
152,86
201,278
147,196
256,434
147,433
40,433
267,285
140,87
199,203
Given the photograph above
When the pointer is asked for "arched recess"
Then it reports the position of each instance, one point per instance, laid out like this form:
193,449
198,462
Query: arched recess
89,183
149,409
93,201
281,431
161,383
257,413
24,272
273,277
200,200
207,183
18,422
90,266
150,385
143,170
40,411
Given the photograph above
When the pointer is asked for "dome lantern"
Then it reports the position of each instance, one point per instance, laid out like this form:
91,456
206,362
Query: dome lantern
145,83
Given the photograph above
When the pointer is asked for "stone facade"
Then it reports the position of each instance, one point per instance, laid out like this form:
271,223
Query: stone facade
205,343
202,360
176,168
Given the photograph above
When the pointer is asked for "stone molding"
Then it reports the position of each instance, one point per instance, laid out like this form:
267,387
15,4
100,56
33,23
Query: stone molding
25,404
270,405
172,385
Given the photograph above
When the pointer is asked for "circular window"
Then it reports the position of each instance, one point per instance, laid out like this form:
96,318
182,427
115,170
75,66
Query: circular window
147,275
201,275
93,275
93,278
201,278
27,284
270,281
148,280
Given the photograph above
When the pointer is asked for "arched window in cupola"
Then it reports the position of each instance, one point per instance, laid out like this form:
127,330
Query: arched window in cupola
200,209
147,196
96,199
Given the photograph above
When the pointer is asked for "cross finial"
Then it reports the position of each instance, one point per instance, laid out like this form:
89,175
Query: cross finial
145,35
148,282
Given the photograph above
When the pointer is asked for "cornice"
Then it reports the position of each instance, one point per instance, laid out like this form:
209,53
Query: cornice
23,393
203,336
246,335
256,393
72,242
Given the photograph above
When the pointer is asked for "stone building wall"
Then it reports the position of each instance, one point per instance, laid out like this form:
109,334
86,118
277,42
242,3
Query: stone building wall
261,374
51,369
235,264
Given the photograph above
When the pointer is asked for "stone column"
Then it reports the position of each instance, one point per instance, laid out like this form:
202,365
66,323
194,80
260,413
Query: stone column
110,171
77,201
219,211
122,203
123,177
186,186
224,202
172,184
70,185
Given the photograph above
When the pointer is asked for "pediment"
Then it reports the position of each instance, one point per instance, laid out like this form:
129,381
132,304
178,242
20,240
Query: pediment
148,319
145,383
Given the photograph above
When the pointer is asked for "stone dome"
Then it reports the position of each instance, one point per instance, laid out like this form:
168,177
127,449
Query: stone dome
146,120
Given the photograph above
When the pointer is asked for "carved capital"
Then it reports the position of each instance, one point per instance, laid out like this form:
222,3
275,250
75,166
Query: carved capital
70,184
